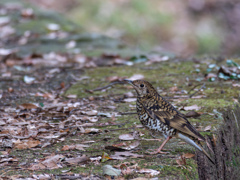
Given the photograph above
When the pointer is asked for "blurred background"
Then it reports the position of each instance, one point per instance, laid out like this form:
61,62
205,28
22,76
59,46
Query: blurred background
185,27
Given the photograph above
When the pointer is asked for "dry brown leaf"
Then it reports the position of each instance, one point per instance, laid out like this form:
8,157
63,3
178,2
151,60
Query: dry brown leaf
26,144
126,170
28,106
192,114
33,143
76,146
188,155
77,160
181,161
52,162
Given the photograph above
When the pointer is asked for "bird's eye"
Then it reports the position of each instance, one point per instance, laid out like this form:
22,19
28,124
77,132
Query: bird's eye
141,85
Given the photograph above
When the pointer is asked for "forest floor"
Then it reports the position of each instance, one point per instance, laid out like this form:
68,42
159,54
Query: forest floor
58,120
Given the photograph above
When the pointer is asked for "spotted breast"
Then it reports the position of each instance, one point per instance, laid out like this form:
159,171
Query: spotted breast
153,124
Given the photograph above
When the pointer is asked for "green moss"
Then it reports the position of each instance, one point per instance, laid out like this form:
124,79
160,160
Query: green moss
209,104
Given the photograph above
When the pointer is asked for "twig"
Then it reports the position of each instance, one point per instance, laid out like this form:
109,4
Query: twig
193,88
110,85
202,87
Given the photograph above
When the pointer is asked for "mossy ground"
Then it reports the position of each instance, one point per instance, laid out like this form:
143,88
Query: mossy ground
217,96
163,76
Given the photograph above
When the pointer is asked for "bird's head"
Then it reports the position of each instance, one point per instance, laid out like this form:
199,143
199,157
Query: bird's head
143,88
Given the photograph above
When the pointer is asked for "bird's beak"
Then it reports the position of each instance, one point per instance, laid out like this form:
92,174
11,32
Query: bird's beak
128,81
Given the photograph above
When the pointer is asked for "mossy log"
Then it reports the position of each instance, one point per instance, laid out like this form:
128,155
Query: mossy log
226,147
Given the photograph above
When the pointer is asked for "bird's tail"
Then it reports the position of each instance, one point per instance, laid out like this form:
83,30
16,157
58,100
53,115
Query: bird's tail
195,144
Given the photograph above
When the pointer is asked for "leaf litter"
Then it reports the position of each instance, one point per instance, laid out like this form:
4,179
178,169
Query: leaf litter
41,129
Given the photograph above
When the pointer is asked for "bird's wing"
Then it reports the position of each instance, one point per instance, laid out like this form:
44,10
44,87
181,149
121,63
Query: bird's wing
173,118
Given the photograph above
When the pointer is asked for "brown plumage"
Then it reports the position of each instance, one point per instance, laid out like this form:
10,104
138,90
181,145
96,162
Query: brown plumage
158,115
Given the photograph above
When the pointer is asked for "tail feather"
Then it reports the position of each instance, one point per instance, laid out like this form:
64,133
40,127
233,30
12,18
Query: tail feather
195,144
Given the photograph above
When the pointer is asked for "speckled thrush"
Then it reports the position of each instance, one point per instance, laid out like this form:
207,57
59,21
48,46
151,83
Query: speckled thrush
157,114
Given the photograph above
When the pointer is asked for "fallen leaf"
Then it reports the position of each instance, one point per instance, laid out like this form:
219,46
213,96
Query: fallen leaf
26,144
126,137
193,107
90,113
8,159
51,162
130,100
105,157
91,130
152,172
132,145
120,155
188,155
181,161
93,119
28,79
125,170
207,128
192,114
111,171
28,106
76,146
136,77
77,160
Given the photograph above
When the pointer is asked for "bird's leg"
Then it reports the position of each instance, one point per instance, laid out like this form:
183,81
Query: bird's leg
159,150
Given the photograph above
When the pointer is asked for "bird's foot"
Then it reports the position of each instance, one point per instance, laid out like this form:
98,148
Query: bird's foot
157,151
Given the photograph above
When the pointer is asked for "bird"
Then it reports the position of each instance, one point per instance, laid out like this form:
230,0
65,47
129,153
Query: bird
158,115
